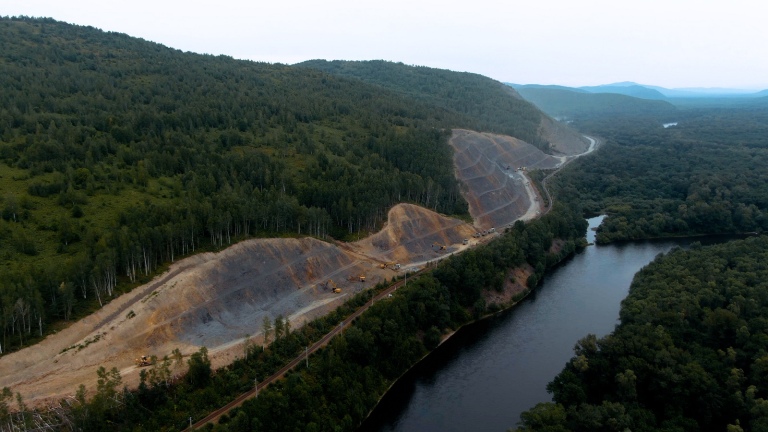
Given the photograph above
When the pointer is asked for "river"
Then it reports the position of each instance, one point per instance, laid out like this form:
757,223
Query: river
490,372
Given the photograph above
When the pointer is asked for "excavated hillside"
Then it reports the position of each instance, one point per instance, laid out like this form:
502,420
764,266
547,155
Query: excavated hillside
492,169
216,299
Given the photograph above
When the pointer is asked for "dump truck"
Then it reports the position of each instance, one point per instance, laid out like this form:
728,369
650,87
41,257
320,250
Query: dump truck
143,361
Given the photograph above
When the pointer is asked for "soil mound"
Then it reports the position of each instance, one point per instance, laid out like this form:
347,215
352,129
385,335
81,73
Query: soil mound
415,234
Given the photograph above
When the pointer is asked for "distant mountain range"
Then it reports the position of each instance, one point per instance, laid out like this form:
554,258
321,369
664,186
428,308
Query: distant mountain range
642,91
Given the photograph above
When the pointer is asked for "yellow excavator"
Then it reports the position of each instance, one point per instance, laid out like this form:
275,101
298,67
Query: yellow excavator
335,288
392,265
362,278
143,361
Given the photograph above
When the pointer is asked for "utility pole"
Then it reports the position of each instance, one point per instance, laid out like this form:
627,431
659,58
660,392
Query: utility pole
255,387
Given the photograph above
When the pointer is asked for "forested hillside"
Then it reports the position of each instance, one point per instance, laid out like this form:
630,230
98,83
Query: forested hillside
688,355
705,175
563,102
493,106
118,155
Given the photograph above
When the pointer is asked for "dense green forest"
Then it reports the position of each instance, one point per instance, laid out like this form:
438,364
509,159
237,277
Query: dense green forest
344,380
705,175
487,101
119,155
690,353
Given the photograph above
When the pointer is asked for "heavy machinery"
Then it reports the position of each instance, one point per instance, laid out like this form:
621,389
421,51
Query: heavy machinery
438,246
335,288
392,265
143,361
362,278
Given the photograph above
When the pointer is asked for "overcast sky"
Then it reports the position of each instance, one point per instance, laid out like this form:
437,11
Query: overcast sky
671,43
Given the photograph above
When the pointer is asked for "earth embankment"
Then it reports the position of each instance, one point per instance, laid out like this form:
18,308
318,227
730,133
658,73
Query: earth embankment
216,299
492,168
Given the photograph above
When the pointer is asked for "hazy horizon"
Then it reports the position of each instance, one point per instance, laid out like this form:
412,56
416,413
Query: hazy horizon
678,44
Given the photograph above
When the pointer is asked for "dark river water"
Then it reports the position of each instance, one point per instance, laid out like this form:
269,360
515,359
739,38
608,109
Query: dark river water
490,372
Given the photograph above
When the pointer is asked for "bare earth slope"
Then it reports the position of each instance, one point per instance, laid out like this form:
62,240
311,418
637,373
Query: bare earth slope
411,235
492,169
215,299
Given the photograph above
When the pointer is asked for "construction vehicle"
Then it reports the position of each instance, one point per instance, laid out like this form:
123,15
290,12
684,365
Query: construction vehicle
143,361
465,242
392,265
362,278
335,288
438,246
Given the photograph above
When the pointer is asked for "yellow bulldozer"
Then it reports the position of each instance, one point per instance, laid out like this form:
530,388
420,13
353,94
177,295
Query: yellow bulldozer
143,361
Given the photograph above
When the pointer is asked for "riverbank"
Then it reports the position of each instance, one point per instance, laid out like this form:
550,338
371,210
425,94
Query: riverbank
514,293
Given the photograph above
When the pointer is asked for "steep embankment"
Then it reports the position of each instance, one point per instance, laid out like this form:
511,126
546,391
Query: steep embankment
492,168
216,299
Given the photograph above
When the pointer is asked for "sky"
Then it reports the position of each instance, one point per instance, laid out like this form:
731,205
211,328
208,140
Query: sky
670,43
